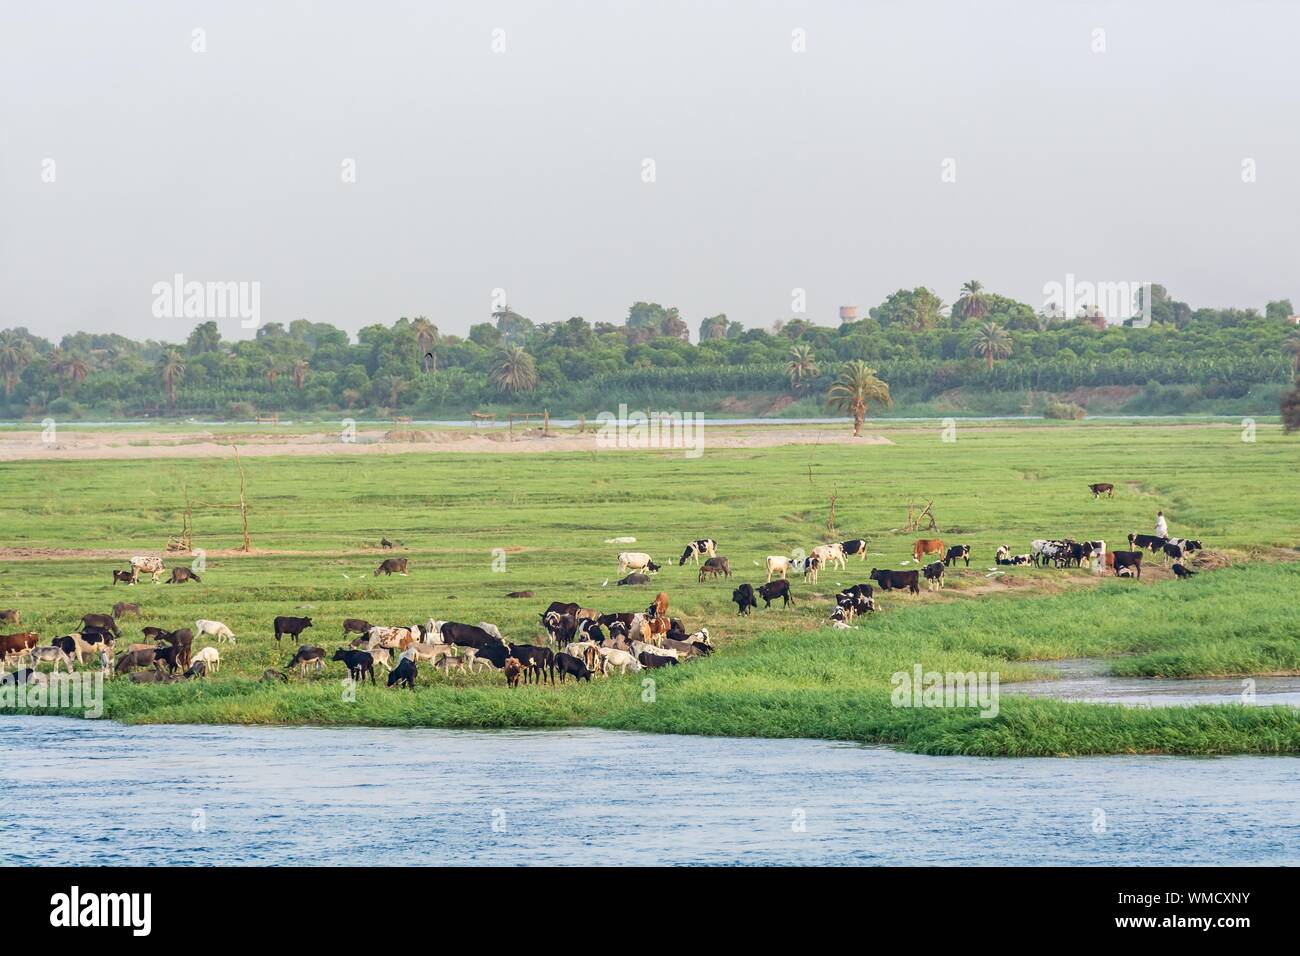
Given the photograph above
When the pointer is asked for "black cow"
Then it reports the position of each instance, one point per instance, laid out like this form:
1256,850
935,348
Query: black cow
102,622
358,663
469,635
622,617
897,580
857,546
169,657
1148,542
958,552
654,660
308,655
1128,559
126,577
198,669
354,625
1102,488
568,664
780,588
934,573
635,578
1183,572
562,608
290,626
744,598
539,662
561,627
589,630
403,674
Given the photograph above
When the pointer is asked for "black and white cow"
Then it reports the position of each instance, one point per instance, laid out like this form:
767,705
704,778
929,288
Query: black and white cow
705,546
933,575
957,552
857,546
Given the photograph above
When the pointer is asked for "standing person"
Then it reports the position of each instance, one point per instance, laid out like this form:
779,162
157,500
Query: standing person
1162,529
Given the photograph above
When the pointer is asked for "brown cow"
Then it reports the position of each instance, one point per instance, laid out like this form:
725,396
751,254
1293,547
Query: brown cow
926,546
17,643
125,609
392,566
660,606
133,658
126,577
513,671
714,567
1102,488
181,575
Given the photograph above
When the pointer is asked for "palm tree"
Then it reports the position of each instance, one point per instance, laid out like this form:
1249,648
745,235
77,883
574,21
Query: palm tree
514,371
172,370
299,371
272,374
1292,344
991,342
802,367
426,339
15,355
854,391
972,304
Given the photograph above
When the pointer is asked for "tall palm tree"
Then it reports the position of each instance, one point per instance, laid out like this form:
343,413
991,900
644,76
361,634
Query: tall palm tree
972,303
172,370
299,372
426,340
991,342
272,373
514,371
854,391
1292,344
15,355
802,367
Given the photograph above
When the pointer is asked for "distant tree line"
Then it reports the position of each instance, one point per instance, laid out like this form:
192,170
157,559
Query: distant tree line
912,340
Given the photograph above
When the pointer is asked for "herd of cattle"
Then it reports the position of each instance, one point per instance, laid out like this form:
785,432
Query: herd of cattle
580,642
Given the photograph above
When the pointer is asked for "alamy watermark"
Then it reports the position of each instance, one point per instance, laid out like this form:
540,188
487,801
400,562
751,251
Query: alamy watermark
178,299
646,430
922,688
83,690
1116,302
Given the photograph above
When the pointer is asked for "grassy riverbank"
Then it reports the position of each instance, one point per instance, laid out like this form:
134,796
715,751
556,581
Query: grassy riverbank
478,526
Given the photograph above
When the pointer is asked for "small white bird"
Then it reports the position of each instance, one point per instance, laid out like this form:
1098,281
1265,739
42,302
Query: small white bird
606,584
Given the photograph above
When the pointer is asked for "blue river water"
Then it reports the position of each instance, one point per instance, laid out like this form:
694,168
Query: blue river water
76,792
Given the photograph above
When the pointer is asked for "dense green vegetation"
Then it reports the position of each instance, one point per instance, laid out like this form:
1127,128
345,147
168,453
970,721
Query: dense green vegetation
985,354
476,527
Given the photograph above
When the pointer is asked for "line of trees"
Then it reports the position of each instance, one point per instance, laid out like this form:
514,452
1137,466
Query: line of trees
911,340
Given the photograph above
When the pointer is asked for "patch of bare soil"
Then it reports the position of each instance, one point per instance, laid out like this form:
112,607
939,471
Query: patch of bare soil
118,554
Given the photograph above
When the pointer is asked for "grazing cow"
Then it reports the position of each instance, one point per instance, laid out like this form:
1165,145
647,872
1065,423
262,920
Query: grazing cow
696,548
391,566
133,658
1183,572
926,546
271,675
102,622
214,629
897,580
934,576
181,575
1102,488
744,598
614,657
54,654
149,564
572,666
308,656
857,546
635,561
513,669
958,552
385,543
17,643
404,674
210,658
714,567
1147,542
125,609
199,669
811,565
290,626
358,663
539,662
633,579
1127,560
828,554
125,577
11,616
646,659
778,564
772,590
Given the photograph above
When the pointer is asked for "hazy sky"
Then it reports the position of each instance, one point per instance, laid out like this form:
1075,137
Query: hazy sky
523,169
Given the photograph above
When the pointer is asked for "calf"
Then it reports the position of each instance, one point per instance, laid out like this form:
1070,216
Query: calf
572,666
513,669
1183,572
358,663
958,552
103,622
391,566
125,609
772,590
614,657
934,576
897,580
744,598
715,567
307,656
811,566
124,577
290,627
403,675
539,662
1127,560
926,546
171,657
54,654
857,546
181,575
1102,488
17,643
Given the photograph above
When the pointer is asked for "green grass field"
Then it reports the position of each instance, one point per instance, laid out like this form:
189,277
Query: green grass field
478,526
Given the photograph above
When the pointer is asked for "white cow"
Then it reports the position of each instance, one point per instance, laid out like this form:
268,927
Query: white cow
830,554
641,647
635,561
777,564
391,636
210,658
149,564
214,629
613,657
